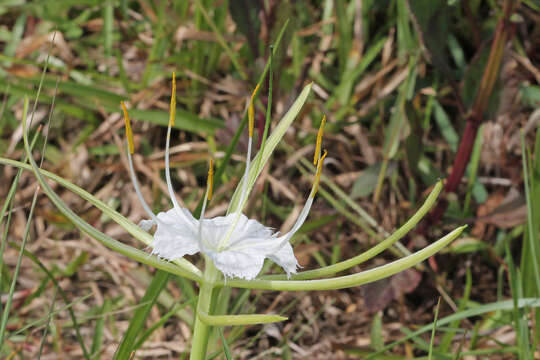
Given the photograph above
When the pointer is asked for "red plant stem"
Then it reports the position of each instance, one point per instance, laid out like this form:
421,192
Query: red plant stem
476,116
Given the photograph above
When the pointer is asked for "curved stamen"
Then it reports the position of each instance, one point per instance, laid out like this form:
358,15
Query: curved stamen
305,210
130,147
138,190
318,160
251,122
172,117
210,184
207,197
245,177
318,144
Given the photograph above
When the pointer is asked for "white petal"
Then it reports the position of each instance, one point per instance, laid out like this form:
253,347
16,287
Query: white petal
146,225
285,258
240,264
239,253
217,236
176,235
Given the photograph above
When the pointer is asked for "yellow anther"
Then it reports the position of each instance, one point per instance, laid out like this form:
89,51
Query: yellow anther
129,133
318,174
318,144
210,183
251,111
173,101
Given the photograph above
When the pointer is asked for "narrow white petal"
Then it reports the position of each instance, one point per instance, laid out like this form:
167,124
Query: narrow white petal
176,236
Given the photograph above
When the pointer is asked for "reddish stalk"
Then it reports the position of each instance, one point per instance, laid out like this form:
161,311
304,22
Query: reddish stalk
503,33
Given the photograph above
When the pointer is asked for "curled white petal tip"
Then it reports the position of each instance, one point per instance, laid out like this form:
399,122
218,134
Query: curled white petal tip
285,258
146,225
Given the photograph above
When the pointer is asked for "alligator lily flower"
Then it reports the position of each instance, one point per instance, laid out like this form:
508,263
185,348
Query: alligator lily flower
235,244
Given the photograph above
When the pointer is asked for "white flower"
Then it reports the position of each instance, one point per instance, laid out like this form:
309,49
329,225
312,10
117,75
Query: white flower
235,244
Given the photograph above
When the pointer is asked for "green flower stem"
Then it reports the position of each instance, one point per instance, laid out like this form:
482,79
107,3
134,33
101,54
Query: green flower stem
201,332
375,250
181,267
347,281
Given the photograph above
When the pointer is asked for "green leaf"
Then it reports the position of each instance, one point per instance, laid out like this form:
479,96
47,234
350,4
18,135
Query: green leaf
97,339
181,267
476,311
530,94
238,320
376,332
445,125
184,120
367,181
269,147
348,281
226,348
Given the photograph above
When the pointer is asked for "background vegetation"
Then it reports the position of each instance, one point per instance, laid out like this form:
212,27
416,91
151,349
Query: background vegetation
413,90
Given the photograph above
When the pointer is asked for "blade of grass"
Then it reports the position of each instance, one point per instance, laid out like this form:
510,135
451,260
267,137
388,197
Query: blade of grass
432,340
63,295
446,341
506,305
397,122
271,143
183,267
154,55
7,308
473,169
519,320
234,141
221,40
144,336
226,349
9,203
108,24
532,234
97,339
126,347
69,306
49,318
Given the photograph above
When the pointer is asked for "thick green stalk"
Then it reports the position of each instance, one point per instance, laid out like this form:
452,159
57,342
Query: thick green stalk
201,332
